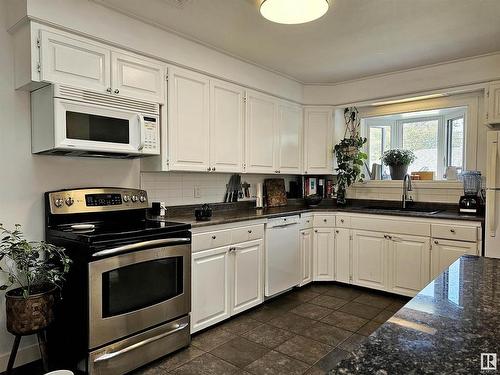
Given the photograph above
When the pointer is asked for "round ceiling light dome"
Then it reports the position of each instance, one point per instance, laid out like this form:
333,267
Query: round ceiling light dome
293,11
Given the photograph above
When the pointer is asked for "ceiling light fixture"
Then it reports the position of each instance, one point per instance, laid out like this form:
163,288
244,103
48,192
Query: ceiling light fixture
293,11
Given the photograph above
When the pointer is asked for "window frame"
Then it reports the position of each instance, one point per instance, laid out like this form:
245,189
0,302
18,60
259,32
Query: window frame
471,102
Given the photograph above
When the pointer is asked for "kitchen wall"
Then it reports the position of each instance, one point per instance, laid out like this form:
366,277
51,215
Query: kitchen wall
178,188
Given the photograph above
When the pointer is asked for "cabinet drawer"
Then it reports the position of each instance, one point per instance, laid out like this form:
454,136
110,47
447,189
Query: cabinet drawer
343,221
210,240
249,233
416,228
306,222
454,232
324,221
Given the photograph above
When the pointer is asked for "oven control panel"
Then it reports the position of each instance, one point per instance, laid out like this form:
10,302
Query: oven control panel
96,200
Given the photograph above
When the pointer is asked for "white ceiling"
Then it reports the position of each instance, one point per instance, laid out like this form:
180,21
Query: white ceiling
356,38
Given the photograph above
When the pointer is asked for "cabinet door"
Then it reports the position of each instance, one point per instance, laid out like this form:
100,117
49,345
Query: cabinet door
137,78
409,264
210,288
445,252
73,62
493,101
289,149
248,275
324,248
369,259
260,126
226,127
188,126
306,256
318,141
342,255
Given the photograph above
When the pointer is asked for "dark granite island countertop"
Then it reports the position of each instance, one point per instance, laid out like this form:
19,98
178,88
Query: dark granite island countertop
442,330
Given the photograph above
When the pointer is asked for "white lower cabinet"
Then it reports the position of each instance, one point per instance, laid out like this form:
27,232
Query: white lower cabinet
306,256
409,263
445,252
323,254
342,255
226,281
210,287
247,275
369,259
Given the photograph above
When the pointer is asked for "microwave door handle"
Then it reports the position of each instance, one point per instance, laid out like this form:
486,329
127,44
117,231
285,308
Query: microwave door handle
141,132
140,245
108,356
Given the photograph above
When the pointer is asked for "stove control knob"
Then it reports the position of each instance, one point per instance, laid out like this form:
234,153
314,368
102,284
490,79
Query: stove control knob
126,198
69,201
134,198
142,198
59,202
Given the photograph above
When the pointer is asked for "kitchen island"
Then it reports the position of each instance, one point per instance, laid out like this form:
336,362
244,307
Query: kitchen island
442,330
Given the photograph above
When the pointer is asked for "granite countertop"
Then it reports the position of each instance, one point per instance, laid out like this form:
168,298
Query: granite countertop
245,212
442,330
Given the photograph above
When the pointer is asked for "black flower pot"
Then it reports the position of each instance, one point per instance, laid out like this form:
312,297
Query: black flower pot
398,172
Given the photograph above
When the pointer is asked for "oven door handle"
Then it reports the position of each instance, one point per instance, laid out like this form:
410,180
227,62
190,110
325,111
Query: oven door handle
108,356
141,245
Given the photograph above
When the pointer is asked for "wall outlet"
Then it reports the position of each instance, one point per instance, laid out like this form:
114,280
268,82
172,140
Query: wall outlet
197,192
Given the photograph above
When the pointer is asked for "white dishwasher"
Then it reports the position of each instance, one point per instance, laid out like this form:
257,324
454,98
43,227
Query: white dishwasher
282,254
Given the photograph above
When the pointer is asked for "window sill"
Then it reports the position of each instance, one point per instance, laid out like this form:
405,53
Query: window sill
431,184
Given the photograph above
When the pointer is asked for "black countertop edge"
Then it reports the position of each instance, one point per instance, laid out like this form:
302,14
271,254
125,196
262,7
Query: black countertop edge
442,330
243,211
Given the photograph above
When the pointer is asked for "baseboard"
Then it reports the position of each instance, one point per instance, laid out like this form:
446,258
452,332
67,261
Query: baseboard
25,355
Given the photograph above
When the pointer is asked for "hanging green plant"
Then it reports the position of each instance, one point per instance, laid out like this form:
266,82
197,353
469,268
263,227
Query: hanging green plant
349,155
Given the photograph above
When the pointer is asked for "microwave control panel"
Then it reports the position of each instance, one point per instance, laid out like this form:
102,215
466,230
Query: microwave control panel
151,135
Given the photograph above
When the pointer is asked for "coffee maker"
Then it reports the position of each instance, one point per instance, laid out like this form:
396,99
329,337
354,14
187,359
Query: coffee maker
471,202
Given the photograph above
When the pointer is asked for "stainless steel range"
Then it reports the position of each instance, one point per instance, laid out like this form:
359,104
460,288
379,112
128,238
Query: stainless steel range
127,297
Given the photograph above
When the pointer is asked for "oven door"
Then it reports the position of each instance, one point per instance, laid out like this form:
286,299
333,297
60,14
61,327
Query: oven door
90,127
136,290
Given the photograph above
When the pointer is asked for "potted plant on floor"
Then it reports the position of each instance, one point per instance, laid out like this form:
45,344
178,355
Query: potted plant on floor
37,269
349,155
398,161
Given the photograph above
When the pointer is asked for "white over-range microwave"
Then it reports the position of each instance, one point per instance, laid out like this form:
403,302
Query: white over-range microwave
76,122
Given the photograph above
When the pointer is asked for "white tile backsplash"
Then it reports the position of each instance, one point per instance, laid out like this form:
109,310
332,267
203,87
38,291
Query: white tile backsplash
178,188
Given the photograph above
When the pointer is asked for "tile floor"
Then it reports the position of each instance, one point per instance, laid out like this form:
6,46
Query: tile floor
306,331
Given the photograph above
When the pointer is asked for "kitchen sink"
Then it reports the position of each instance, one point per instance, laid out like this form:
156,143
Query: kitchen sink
429,211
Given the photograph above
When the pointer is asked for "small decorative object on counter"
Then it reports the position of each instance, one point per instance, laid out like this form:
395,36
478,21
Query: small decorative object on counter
313,200
259,195
275,192
204,213
398,161
349,155
38,269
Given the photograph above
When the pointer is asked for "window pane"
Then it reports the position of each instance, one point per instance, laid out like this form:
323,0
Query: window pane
457,142
422,138
380,141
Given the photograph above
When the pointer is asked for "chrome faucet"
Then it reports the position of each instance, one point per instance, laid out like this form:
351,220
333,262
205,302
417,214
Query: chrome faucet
406,188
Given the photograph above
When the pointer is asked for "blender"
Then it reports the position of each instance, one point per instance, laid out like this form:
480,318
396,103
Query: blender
470,202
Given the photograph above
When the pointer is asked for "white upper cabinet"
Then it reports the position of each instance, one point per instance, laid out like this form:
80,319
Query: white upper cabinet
318,140
260,133
493,103
74,62
289,148
226,127
85,64
409,264
188,120
138,78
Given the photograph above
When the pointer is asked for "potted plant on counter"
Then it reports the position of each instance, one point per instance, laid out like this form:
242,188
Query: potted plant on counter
398,161
349,155
37,270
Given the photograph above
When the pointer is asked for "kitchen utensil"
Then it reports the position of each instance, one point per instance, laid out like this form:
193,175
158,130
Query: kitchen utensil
470,202
313,200
82,226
